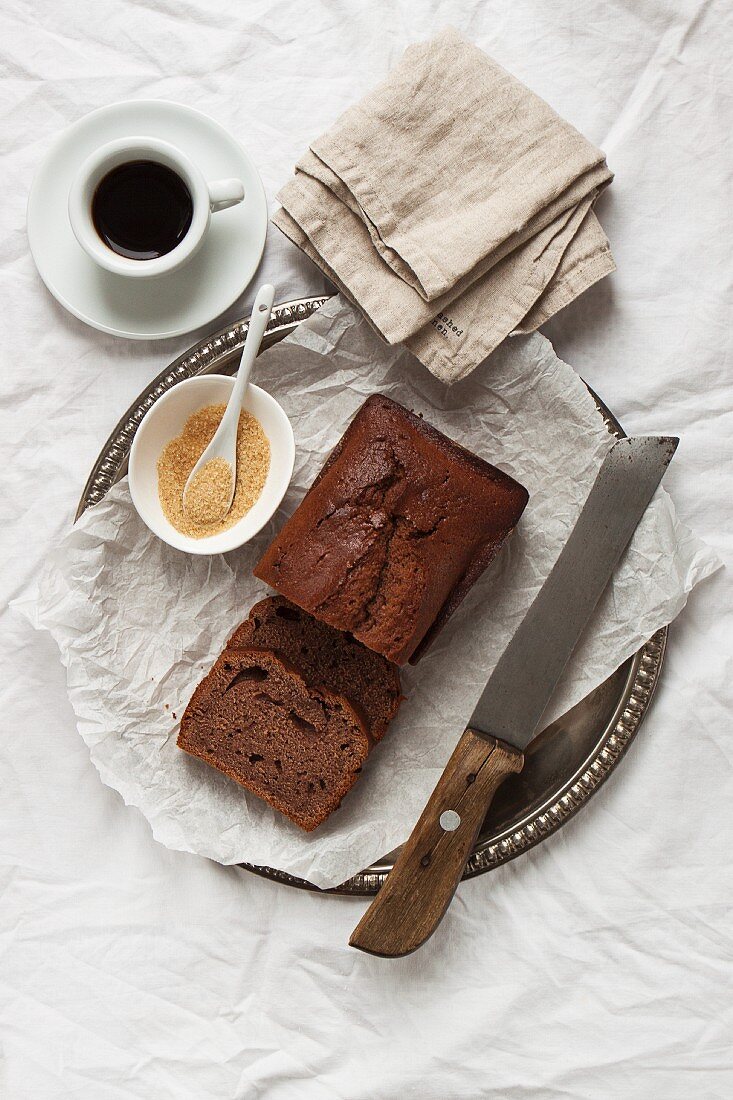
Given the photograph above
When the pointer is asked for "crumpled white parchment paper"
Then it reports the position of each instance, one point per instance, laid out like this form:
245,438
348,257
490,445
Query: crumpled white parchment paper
138,624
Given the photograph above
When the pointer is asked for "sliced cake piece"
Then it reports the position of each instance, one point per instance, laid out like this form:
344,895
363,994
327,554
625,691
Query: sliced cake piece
326,658
256,719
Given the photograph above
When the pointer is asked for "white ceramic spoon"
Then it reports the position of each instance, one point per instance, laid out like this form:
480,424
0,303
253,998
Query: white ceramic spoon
224,443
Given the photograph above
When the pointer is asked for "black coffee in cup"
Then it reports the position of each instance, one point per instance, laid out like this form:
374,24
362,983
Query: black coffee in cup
142,210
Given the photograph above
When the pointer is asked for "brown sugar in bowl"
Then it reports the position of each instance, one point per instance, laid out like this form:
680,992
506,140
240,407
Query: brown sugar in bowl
166,419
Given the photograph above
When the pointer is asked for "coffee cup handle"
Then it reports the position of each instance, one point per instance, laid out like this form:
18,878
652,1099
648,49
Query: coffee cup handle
225,193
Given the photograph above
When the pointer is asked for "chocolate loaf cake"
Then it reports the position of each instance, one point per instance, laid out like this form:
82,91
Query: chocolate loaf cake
256,719
326,658
395,529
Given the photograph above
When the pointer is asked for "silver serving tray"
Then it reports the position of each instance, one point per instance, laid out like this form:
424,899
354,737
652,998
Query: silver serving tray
564,765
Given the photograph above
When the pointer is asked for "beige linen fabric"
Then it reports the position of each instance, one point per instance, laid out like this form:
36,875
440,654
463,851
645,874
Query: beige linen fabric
452,205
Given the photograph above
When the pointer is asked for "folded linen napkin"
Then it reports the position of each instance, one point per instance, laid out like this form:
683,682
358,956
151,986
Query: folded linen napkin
452,205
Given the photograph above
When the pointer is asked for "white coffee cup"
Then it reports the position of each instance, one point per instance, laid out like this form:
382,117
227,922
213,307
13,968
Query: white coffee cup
207,198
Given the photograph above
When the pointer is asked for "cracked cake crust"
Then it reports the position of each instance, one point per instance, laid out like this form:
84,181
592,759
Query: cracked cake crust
395,529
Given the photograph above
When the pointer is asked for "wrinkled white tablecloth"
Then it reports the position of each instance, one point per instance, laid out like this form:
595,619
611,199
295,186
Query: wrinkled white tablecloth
596,966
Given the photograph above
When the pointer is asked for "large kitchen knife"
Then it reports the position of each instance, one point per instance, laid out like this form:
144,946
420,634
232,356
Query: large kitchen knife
418,890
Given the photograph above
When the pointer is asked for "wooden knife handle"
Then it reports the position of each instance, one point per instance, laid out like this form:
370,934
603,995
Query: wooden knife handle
420,886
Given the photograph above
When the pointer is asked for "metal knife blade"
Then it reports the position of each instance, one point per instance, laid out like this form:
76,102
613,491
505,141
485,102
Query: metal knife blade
526,674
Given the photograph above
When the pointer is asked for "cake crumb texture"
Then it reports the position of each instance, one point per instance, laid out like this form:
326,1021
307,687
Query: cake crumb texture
326,658
255,719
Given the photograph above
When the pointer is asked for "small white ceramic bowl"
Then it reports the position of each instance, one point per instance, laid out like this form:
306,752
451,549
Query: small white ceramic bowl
166,419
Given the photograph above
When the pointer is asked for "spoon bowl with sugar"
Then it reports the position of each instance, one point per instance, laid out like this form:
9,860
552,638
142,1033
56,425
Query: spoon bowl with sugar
209,490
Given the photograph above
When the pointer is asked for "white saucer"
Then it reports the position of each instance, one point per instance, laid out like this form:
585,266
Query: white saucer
148,309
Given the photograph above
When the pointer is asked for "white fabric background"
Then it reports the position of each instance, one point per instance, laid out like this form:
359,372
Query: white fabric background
598,965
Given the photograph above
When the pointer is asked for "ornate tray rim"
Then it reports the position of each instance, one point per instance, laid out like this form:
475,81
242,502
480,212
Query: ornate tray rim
638,690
